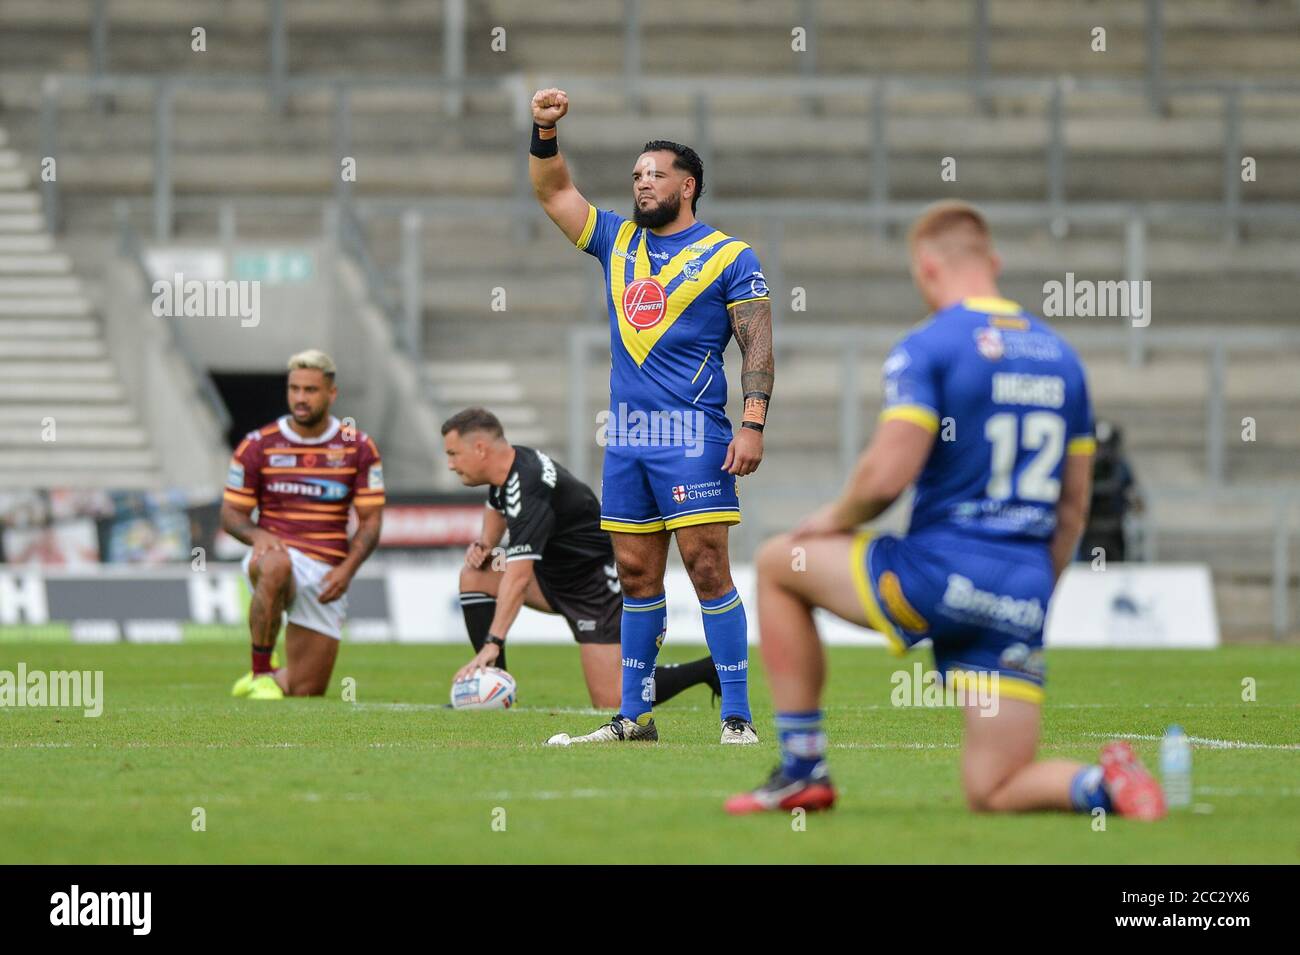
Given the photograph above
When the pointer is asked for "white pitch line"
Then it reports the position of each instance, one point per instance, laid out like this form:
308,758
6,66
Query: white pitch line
1200,741
564,710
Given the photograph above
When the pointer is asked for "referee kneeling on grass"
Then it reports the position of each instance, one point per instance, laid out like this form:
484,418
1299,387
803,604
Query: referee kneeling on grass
557,560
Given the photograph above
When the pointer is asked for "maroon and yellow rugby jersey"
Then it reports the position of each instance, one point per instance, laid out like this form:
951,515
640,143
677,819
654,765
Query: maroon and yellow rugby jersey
303,487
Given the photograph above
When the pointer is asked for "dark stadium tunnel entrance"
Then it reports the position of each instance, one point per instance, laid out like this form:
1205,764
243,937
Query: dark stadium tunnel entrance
252,399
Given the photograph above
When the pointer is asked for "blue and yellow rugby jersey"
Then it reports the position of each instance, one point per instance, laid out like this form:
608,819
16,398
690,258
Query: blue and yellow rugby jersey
1008,399
668,300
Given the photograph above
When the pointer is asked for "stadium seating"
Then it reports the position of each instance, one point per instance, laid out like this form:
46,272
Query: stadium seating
66,418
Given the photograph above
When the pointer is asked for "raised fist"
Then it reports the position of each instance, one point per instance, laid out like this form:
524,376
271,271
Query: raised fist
549,105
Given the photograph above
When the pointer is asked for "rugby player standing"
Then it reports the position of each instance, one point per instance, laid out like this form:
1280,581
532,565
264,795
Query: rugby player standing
557,560
677,291
302,473
1000,504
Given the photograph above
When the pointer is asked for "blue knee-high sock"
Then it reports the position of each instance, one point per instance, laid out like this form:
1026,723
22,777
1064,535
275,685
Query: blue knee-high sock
725,632
1088,792
802,741
644,624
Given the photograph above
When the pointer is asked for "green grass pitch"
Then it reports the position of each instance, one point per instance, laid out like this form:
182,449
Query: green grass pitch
395,778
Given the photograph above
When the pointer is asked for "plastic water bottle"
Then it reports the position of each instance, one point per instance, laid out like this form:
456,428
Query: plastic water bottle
1176,768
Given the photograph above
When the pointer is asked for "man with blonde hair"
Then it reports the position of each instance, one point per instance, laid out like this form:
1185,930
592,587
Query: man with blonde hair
1001,500
302,472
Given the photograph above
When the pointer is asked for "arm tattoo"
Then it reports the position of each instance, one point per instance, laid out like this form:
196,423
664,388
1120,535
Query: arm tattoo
752,324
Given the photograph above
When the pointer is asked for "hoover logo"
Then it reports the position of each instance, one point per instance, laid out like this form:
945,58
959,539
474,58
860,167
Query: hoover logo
103,908
643,304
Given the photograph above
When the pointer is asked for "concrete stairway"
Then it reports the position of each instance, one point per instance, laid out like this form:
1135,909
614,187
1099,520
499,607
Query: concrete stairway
65,420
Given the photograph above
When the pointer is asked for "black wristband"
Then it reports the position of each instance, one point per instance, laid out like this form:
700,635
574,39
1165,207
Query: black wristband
752,426
544,148
758,394
493,638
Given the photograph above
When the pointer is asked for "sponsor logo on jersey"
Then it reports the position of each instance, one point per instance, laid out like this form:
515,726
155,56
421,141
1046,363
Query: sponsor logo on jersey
758,284
898,360
375,480
235,476
335,457
1018,656
282,460
966,601
988,342
1036,346
695,492
661,256
699,248
311,487
644,304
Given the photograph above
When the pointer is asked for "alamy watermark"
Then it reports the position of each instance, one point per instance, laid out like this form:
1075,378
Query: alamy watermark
922,687
179,298
130,909
82,689
1084,298
626,428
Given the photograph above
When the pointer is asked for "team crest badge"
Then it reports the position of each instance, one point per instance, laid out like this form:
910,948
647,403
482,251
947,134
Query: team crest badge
309,460
988,341
691,270
679,493
644,304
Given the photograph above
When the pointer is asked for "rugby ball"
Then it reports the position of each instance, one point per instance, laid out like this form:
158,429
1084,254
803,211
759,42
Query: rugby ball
487,688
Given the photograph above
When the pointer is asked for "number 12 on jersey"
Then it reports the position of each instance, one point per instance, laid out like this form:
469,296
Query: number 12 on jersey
1040,431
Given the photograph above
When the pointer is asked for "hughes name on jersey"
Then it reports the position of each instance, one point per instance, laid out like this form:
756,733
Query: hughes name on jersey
668,298
303,487
1008,399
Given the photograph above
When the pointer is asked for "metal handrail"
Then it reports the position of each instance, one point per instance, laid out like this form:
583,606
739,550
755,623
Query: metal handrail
131,247
705,91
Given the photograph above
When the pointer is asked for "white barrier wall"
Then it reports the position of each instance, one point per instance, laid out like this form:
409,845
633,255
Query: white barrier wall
1137,605
1134,606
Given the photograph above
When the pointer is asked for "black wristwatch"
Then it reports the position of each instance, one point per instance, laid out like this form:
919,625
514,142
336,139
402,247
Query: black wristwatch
493,638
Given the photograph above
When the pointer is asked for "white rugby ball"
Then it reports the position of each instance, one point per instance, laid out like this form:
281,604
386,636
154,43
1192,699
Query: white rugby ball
488,688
